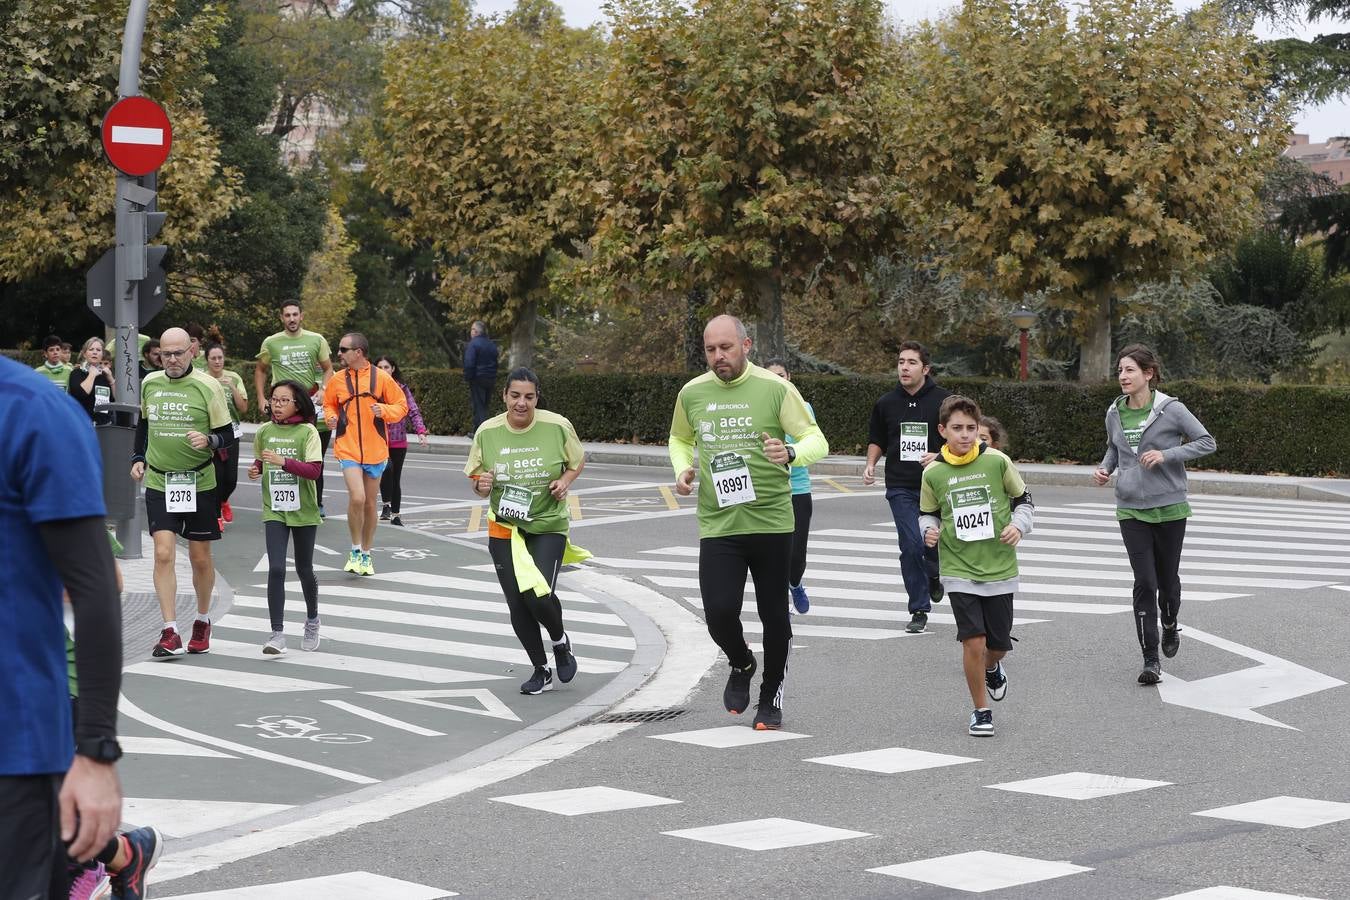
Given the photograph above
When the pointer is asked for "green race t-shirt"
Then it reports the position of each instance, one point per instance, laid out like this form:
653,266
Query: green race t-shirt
172,407
522,464
1132,424
973,500
282,488
58,375
297,359
739,490
237,383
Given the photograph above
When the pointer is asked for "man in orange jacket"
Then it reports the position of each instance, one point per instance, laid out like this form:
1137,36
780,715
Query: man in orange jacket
359,401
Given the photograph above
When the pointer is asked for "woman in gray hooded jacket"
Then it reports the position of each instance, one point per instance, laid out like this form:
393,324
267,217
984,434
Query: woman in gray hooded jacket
1149,438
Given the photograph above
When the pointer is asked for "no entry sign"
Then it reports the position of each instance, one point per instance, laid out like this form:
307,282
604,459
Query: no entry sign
137,135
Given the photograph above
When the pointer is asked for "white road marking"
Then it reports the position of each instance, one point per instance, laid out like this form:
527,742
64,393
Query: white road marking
383,719
177,817
1078,785
1285,812
495,607
347,886
488,704
892,760
167,747
204,673
980,871
584,801
340,662
767,834
727,736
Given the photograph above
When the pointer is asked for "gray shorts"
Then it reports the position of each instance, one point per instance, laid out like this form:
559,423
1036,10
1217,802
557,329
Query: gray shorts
988,616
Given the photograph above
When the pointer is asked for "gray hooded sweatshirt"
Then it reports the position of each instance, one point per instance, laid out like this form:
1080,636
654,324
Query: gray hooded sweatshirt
1165,483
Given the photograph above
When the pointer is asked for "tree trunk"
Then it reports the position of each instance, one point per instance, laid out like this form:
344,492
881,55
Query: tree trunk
769,339
522,334
1094,360
694,360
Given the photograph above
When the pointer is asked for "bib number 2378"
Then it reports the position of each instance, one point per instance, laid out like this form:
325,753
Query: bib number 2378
180,492
731,479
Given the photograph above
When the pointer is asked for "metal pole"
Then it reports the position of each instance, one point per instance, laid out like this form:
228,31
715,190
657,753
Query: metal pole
1022,347
128,265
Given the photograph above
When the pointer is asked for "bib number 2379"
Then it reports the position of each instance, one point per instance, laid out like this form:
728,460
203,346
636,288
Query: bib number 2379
285,489
972,514
180,492
731,479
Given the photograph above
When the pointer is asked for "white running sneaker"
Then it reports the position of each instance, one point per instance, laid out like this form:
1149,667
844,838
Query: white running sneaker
276,644
310,641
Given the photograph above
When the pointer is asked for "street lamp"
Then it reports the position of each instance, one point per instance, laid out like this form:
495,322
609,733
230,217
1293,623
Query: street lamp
1023,317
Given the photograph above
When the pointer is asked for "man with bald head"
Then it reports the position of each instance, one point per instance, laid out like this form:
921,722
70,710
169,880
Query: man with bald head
184,421
735,416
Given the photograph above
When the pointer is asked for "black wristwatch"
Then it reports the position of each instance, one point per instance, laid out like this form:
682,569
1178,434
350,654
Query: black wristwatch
104,750
792,455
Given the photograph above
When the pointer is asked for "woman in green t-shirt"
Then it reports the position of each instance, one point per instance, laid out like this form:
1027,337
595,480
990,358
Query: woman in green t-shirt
524,460
291,458
1149,438
236,400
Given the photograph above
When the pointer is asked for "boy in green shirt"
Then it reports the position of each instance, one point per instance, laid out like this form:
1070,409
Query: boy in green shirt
975,507
52,368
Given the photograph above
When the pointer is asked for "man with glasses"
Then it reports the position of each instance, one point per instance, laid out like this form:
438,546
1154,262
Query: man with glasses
358,404
294,354
184,422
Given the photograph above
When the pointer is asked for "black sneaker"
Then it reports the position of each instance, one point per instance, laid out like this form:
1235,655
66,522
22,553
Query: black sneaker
935,589
565,661
997,682
982,722
768,717
396,521
736,695
143,847
917,623
1152,672
540,681
1171,641
386,512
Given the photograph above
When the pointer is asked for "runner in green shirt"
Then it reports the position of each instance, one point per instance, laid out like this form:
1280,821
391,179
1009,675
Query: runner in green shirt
524,461
975,505
52,368
236,401
736,416
183,423
289,461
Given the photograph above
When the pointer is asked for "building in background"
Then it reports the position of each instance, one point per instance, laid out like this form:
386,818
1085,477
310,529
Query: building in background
1331,159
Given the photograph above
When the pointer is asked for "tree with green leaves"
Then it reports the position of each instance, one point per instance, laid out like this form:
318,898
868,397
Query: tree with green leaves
741,152
1084,156
479,139
1308,71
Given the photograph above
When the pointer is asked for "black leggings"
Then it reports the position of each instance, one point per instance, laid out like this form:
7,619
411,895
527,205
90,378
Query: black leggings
801,514
1155,557
391,489
722,564
227,472
324,437
277,535
529,611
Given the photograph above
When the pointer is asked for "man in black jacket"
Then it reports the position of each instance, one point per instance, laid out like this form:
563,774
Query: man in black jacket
904,426
480,371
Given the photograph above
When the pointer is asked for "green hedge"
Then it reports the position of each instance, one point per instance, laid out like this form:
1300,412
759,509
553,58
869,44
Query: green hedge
1293,429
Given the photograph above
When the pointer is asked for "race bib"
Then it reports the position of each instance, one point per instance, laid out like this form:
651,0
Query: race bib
731,479
180,492
972,514
285,491
102,395
913,441
514,503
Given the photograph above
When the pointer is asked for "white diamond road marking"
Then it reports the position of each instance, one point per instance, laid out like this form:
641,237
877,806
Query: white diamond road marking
891,760
184,818
348,886
980,871
583,801
727,736
767,834
1286,812
1079,785
1224,892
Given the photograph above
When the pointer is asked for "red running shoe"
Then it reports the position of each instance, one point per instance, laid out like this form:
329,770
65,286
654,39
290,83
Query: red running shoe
170,644
201,637
226,513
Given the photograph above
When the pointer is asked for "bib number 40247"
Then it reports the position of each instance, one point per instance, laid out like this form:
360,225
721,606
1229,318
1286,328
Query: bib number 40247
972,514
180,492
731,479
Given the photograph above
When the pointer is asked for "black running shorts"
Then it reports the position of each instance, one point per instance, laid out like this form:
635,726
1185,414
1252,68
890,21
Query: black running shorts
202,525
988,616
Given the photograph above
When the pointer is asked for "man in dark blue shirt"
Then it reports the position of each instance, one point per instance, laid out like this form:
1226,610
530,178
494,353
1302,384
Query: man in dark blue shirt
480,371
53,802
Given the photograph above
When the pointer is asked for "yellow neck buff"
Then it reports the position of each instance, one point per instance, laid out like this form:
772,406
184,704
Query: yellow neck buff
955,460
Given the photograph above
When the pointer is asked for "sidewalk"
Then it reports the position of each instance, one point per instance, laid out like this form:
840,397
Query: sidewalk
1201,482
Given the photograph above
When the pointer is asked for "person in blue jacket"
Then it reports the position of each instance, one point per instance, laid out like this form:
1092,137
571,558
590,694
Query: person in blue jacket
480,371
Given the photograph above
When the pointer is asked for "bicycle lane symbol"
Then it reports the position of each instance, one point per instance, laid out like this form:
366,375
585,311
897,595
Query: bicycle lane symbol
277,727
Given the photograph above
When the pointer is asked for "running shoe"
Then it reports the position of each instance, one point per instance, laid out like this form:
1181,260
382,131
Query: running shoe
201,637
1152,671
143,846
799,599
353,563
385,512
220,524
397,520
736,695
540,681
1171,640
90,882
169,644
276,644
917,623
226,513
367,567
982,722
768,717
564,660
935,589
997,682
310,641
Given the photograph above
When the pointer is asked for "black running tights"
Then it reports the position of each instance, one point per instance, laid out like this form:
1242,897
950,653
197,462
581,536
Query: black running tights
722,565
391,487
1155,557
227,472
801,514
529,611
278,533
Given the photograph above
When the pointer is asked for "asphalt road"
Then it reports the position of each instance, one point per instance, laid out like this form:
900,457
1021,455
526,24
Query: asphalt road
1131,787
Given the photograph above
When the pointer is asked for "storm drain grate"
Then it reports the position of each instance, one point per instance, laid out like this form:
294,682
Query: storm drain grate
640,715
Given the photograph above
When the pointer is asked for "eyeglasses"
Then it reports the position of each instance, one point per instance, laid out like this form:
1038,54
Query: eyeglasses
172,354
282,400
345,349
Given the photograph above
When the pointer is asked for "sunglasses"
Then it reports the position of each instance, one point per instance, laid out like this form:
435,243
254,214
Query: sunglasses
346,349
